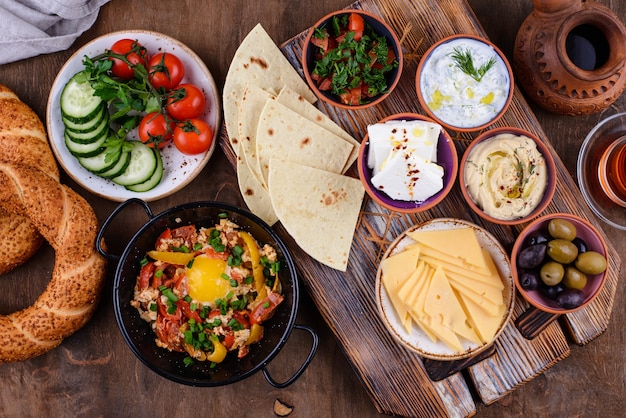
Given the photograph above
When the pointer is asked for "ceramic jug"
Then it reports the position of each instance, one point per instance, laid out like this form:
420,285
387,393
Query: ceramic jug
570,56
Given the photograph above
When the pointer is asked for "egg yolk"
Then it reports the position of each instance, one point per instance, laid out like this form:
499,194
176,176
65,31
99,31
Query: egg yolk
206,281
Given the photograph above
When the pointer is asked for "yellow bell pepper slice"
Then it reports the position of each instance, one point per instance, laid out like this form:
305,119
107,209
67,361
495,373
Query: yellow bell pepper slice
257,268
219,352
171,257
256,333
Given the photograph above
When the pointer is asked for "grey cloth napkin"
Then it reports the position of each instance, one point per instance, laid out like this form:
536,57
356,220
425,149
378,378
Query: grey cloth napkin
33,27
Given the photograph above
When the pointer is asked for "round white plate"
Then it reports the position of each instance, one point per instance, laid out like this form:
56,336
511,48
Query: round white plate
417,340
179,169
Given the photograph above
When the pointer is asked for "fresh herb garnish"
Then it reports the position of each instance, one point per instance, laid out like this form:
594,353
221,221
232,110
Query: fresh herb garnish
465,62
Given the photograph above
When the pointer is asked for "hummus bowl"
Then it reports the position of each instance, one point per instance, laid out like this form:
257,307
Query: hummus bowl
446,159
464,82
507,176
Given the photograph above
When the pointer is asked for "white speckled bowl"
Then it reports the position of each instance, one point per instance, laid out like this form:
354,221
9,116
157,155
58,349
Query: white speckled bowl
179,169
417,340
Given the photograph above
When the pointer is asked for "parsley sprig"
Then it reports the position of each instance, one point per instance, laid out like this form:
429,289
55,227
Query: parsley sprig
465,62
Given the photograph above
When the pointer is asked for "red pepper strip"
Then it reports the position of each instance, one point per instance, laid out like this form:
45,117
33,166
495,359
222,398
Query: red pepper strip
186,310
265,308
145,275
162,310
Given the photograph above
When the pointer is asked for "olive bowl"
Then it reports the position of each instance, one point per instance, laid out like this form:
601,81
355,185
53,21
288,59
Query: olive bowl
539,297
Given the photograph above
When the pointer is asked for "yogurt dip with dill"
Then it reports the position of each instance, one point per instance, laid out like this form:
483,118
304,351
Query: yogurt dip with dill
454,96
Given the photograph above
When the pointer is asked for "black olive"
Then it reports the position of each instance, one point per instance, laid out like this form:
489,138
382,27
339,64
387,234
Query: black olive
580,244
531,257
537,237
570,298
529,279
552,292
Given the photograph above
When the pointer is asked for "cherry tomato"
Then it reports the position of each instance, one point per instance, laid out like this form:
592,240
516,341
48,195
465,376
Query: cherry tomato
165,70
186,102
352,96
356,25
155,129
193,137
135,54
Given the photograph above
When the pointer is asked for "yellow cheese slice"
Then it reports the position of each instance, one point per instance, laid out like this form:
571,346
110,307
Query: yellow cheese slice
490,293
442,302
444,333
409,289
468,274
490,308
460,243
446,258
485,325
395,270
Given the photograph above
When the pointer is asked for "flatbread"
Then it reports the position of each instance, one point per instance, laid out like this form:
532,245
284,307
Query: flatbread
252,102
254,193
286,134
319,209
258,61
298,104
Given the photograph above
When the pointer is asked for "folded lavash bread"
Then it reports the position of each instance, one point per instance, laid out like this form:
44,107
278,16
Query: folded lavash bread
318,208
258,61
285,134
290,98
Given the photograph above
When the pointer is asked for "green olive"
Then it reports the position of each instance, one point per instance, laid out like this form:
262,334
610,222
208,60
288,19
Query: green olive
562,228
591,262
562,251
551,273
574,278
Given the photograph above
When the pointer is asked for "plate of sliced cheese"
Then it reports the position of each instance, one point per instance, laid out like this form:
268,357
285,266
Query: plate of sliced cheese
444,289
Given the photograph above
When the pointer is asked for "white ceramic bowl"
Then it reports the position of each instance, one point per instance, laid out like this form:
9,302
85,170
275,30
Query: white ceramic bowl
179,169
417,340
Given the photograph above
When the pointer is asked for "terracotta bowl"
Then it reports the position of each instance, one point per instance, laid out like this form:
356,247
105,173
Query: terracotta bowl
585,231
446,157
437,58
550,168
310,53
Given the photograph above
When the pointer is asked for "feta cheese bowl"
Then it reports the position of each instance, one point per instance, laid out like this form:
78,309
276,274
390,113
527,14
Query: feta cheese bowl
464,82
407,162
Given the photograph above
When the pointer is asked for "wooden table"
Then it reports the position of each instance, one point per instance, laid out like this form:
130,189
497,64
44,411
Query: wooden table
93,373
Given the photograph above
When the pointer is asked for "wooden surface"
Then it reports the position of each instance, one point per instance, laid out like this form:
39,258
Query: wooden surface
94,374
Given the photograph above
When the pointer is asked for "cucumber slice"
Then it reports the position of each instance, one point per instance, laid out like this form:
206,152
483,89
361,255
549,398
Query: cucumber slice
89,136
153,181
118,168
98,163
85,150
79,104
87,126
143,162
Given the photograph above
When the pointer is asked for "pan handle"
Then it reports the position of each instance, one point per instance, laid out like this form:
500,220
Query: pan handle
302,368
110,218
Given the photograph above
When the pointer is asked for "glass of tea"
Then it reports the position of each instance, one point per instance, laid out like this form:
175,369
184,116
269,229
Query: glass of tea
602,170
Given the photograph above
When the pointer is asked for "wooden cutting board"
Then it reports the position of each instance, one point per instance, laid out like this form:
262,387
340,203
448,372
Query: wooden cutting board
397,379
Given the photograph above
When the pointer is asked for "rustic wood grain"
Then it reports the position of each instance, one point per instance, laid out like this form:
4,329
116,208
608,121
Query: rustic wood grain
517,358
93,373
